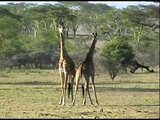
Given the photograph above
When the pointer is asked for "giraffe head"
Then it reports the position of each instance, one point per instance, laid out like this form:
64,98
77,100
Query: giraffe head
61,27
95,36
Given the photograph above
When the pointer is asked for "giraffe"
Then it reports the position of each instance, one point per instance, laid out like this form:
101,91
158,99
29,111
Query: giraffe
66,69
86,68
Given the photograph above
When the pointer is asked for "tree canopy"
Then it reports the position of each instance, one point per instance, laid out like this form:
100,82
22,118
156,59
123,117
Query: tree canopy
32,28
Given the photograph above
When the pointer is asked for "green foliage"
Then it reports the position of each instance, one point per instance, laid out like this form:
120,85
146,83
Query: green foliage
148,44
117,50
9,28
47,41
70,46
30,28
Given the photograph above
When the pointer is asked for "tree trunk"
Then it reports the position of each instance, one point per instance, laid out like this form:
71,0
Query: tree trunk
74,31
67,32
136,65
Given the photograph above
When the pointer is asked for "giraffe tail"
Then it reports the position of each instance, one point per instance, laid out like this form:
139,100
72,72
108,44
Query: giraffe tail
82,90
69,89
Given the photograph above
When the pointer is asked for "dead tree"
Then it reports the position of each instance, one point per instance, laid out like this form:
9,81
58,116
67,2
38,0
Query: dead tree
135,65
132,65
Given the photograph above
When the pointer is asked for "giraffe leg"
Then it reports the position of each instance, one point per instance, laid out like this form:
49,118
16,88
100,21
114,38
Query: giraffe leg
72,83
78,76
85,95
65,87
83,90
89,94
69,86
94,89
62,87
60,101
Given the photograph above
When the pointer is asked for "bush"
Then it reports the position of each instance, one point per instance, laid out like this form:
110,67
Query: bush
117,50
118,54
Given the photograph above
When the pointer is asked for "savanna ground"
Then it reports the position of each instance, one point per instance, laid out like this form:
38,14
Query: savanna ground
35,94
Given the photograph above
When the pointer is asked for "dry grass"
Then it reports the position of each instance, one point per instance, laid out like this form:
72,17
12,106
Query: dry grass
36,93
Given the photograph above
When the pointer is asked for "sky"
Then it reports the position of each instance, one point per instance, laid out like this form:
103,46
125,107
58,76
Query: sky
117,4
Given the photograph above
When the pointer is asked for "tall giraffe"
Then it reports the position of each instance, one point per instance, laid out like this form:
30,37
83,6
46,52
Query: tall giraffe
66,69
86,68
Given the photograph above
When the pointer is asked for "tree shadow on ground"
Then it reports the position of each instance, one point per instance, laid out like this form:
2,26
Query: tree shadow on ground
126,82
100,89
146,72
30,83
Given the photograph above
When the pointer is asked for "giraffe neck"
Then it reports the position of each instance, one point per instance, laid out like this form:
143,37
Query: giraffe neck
62,46
91,51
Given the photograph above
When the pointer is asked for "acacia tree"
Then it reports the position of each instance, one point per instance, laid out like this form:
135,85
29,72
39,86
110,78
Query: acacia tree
73,18
118,54
10,24
88,13
113,23
143,26
142,20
